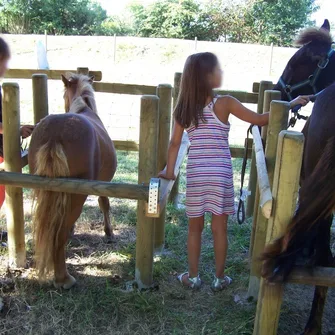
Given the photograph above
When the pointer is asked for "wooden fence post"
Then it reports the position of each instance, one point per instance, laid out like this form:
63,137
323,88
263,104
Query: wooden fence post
40,97
285,193
114,49
83,70
164,92
176,87
147,167
271,57
279,112
269,96
46,40
12,154
264,85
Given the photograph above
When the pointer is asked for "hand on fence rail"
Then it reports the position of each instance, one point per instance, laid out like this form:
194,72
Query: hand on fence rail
166,182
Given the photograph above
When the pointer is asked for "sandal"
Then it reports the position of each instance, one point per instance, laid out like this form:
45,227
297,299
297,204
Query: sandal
220,284
193,283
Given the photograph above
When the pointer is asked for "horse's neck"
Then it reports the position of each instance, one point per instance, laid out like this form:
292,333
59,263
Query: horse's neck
327,76
79,105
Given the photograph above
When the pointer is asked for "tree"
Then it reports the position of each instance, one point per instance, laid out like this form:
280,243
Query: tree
14,16
171,19
76,17
228,20
277,21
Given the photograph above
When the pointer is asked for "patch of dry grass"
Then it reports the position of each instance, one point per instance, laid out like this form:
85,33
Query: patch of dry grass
99,304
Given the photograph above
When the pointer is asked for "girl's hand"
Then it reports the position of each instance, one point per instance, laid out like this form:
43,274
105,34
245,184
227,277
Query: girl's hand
26,131
302,100
163,174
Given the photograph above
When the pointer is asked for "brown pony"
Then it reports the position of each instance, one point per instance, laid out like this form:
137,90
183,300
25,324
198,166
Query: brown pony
74,145
307,238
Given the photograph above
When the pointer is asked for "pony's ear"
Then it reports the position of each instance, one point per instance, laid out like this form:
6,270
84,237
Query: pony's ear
326,25
91,79
65,81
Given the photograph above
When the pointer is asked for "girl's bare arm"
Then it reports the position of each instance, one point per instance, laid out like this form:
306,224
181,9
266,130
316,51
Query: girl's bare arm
173,150
233,106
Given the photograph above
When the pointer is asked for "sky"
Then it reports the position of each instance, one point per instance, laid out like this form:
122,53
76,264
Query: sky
327,8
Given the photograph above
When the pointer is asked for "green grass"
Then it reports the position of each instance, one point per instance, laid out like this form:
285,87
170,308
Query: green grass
100,303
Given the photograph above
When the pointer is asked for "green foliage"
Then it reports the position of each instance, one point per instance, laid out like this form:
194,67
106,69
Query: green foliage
75,17
248,21
171,19
114,25
229,20
277,21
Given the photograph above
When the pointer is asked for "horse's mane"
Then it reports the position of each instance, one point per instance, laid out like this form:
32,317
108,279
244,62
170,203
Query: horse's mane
314,34
85,93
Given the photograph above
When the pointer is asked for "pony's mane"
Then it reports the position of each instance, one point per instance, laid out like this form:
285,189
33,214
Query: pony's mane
84,95
312,35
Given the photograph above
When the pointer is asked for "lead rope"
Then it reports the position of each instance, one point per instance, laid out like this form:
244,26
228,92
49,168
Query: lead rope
243,193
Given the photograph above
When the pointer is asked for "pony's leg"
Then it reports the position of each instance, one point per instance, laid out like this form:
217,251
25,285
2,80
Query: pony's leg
323,258
314,324
62,278
105,208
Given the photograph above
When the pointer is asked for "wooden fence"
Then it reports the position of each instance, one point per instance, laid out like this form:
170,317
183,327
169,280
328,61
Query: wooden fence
155,128
278,167
153,134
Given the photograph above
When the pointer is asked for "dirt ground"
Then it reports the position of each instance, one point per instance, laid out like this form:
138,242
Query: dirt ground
101,303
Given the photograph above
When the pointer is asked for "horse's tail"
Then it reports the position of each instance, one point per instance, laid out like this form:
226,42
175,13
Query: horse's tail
50,207
316,204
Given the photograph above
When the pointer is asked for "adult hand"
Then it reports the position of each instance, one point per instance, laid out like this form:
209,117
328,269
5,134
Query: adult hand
26,131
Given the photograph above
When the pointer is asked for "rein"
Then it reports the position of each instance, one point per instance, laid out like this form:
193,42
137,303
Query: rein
243,193
295,111
288,90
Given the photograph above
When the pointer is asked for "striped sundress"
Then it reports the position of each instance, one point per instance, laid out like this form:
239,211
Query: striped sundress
209,173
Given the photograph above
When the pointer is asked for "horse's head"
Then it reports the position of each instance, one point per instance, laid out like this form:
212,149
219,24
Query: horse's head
78,93
312,67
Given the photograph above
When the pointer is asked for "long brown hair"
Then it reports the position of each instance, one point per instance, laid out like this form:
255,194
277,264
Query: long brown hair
194,88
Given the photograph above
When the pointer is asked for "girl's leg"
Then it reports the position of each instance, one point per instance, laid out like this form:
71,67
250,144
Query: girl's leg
195,228
219,229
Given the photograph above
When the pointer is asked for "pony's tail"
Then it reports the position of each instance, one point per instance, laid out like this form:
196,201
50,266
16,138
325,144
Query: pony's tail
316,204
50,207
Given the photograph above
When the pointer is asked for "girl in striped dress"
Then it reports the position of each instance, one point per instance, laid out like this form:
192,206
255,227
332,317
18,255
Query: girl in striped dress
209,174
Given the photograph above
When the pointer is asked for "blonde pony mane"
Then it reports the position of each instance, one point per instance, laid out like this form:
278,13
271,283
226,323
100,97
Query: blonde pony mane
84,95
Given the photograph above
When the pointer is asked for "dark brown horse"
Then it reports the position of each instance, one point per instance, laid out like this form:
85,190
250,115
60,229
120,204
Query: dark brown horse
307,238
76,145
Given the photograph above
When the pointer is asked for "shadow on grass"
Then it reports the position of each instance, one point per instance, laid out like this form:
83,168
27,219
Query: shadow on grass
99,304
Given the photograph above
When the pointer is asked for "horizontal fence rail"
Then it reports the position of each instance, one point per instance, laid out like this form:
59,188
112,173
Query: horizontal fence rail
131,89
316,276
243,97
52,74
77,186
236,152
256,86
